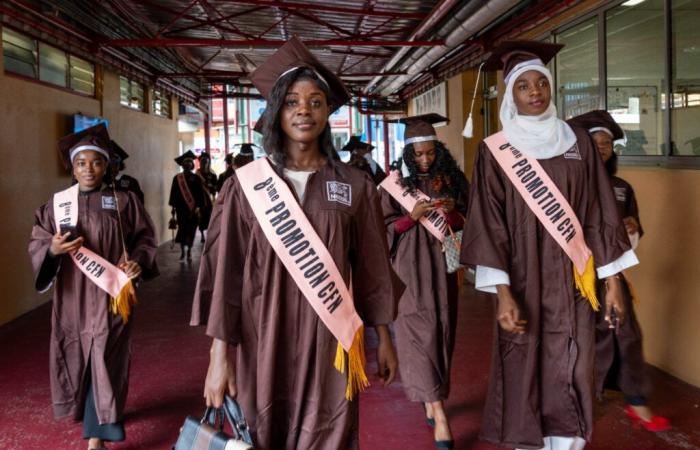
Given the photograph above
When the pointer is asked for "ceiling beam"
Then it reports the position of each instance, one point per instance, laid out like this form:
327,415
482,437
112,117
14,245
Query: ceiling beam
203,42
334,9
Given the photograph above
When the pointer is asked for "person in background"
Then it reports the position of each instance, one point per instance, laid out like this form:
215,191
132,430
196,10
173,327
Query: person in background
427,317
620,361
244,156
542,226
226,174
187,198
90,345
361,157
281,366
122,181
209,183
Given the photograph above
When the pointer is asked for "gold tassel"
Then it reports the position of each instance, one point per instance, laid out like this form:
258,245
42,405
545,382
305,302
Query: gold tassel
357,378
586,283
124,301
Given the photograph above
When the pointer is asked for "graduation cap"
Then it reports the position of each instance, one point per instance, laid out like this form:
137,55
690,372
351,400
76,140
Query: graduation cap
94,138
420,128
512,55
118,152
246,149
354,143
598,120
204,155
185,156
291,56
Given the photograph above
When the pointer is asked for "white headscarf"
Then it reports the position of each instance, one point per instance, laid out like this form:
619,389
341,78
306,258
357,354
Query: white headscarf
540,137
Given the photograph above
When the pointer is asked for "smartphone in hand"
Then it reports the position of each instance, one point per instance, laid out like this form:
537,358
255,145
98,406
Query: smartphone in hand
69,229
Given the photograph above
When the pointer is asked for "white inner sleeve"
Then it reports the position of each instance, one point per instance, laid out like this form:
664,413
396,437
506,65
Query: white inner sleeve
299,179
627,260
487,278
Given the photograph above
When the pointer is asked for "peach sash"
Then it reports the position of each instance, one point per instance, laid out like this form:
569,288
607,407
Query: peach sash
435,221
550,207
185,190
309,263
104,274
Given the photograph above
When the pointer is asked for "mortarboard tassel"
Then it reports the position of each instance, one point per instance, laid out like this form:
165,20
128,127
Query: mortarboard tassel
123,302
585,283
468,131
357,378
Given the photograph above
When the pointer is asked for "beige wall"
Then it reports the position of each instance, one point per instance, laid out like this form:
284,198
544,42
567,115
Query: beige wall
34,116
667,280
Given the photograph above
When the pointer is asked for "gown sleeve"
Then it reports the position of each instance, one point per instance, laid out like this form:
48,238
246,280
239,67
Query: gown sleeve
217,299
376,287
142,242
603,228
45,266
485,241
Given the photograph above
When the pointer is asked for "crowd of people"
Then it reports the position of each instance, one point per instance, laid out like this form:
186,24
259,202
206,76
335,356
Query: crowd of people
303,252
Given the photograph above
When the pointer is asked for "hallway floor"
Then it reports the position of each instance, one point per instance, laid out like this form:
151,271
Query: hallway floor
170,361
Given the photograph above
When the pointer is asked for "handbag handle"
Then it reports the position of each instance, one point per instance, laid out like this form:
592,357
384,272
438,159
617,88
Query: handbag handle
236,419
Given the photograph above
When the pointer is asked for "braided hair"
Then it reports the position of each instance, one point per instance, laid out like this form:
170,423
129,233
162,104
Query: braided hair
444,166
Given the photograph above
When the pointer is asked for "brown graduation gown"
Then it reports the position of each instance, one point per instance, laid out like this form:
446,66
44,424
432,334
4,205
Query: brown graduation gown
82,328
427,312
289,390
187,221
541,382
619,357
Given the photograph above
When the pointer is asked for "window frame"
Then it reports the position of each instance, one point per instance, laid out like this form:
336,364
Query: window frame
159,94
668,159
144,100
38,79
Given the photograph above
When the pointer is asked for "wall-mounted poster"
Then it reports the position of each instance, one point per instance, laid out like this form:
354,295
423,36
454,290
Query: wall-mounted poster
432,101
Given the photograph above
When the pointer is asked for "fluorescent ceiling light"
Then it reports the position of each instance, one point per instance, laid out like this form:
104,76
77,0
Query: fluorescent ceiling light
632,2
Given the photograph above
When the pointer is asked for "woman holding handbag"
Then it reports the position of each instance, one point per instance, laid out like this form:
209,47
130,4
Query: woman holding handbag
89,242
289,234
423,208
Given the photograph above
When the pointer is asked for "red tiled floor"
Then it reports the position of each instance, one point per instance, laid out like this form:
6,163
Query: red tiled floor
170,360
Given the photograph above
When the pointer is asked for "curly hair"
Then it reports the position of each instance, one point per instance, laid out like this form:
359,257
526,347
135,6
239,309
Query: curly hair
444,166
273,136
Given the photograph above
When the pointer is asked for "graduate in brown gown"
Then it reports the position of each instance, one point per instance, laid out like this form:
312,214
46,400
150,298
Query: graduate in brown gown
361,157
280,363
541,385
427,314
122,181
90,346
620,361
209,181
187,215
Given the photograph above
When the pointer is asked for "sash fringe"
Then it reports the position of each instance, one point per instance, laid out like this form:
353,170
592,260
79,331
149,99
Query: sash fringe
357,378
585,283
124,301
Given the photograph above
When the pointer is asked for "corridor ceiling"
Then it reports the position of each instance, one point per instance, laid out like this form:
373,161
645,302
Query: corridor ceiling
377,46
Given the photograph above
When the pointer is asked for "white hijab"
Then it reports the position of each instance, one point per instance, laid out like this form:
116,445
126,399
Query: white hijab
540,137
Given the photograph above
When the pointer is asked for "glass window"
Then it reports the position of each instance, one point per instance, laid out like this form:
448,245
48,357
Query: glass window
131,93
635,71
577,70
161,104
19,53
53,65
82,75
685,117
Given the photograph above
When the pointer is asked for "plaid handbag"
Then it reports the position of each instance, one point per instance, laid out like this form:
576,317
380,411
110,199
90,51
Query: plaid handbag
208,433
452,247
